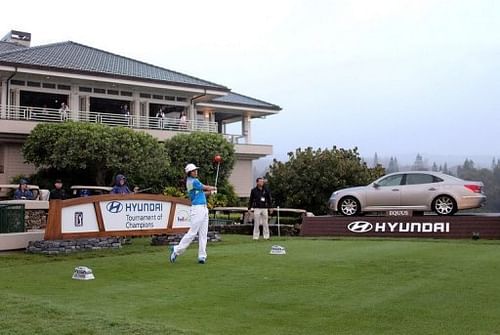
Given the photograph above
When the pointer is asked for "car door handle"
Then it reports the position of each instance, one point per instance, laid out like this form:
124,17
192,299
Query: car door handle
395,189
432,189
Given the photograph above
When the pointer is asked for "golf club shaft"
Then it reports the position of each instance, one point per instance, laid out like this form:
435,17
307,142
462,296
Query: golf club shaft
217,174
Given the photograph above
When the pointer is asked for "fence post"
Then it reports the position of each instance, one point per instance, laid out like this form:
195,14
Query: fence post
279,231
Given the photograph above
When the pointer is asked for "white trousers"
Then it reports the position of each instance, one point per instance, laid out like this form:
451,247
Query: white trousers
260,217
199,226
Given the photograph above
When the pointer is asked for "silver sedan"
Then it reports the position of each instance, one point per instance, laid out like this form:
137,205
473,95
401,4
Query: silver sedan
414,190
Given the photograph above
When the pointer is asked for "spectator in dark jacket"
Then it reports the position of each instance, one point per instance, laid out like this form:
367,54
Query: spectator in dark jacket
260,201
58,193
120,186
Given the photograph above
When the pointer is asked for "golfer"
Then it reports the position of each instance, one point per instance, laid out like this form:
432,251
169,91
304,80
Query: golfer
198,216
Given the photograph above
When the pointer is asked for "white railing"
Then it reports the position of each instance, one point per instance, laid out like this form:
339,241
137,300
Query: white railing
235,139
38,114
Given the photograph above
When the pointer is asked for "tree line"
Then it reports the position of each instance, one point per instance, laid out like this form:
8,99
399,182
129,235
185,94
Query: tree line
83,153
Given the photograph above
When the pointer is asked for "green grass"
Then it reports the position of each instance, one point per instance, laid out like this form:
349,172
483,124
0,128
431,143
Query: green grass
322,286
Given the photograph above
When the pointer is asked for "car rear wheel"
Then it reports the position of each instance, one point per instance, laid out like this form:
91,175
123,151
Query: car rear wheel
349,206
444,205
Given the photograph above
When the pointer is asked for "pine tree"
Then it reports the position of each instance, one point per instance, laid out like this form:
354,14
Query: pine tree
434,167
419,164
375,160
445,168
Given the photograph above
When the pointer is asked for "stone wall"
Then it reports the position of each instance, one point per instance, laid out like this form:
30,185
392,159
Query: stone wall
35,218
56,247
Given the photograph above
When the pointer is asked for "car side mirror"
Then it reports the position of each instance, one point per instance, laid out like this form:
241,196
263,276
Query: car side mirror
375,185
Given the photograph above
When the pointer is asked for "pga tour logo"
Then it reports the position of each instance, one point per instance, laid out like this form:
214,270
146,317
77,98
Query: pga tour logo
360,226
114,207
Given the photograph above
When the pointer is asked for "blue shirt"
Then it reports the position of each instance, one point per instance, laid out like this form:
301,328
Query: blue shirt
195,191
120,189
25,195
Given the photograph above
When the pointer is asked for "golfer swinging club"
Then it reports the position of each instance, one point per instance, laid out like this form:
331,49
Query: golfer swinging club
198,216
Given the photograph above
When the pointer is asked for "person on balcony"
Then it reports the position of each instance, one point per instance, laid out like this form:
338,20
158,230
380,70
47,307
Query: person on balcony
160,115
64,111
120,186
23,193
183,120
126,113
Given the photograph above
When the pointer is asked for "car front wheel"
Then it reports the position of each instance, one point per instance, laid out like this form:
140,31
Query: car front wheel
349,206
444,205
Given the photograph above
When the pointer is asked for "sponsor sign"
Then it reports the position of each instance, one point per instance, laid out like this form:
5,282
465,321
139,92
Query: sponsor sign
425,226
123,215
360,227
182,216
117,215
404,212
79,219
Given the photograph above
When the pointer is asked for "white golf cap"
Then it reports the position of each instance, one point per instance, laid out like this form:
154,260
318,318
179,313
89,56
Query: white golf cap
190,167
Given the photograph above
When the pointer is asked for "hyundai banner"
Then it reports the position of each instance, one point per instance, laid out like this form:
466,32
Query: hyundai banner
122,215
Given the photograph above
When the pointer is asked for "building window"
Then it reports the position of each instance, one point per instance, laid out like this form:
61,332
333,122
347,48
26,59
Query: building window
157,97
145,95
169,98
126,93
113,92
17,82
64,87
100,90
48,85
85,89
33,84
181,99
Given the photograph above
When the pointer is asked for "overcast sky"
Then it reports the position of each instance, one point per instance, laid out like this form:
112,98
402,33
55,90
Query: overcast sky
394,77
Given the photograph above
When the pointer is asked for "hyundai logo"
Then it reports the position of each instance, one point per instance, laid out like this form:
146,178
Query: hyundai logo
360,226
114,207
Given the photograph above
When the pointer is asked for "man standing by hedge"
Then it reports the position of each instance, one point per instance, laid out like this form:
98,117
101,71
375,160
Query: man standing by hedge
260,201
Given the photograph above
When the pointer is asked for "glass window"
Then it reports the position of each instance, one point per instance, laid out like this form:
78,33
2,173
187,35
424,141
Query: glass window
391,180
34,84
419,178
17,82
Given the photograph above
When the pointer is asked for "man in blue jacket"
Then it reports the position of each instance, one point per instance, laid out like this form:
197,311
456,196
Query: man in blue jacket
23,193
120,186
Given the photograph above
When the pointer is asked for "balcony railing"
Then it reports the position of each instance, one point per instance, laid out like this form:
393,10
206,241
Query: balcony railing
38,114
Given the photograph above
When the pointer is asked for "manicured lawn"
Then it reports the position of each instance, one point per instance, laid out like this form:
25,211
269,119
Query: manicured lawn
322,286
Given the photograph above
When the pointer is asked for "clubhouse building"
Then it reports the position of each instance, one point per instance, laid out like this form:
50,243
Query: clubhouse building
102,87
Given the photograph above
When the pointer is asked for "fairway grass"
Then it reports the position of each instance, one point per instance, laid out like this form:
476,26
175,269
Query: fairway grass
321,286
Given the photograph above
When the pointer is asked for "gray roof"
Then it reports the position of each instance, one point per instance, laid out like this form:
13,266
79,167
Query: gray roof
243,100
8,46
74,57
